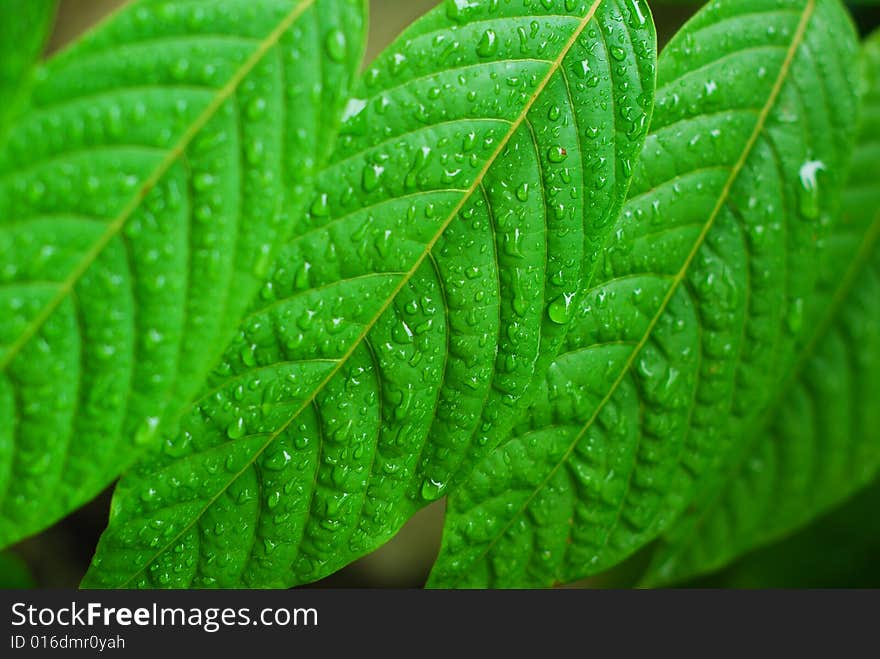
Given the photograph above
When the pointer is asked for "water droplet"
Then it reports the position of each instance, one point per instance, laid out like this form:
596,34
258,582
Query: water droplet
457,10
371,177
320,207
256,108
556,154
235,430
147,431
795,318
637,7
277,461
560,309
432,489
809,192
354,107
335,45
488,44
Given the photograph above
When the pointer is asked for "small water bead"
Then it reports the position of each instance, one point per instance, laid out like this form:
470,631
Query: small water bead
277,460
458,10
147,431
809,191
320,207
617,53
432,489
256,108
488,44
335,45
235,430
556,154
273,499
203,181
371,177
397,63
354,107
560,309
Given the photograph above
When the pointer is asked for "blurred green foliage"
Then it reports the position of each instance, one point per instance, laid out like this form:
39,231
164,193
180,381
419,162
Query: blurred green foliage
840,550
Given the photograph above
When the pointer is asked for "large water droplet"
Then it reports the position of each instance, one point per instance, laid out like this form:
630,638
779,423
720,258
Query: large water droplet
235,430
371,177
335,45
560,309
488,44
147,431
556,154
432,489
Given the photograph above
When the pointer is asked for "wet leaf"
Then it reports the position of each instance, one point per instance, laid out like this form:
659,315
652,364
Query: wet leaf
821,442
697,309
142,189
481,162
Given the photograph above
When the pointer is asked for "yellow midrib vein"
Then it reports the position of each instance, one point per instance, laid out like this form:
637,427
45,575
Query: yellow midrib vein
796,41
118,223
478,179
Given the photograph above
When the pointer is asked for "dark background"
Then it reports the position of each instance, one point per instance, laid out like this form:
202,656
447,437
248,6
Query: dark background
58,557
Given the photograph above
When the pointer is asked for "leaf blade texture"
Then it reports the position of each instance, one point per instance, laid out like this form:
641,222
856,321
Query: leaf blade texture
820,443
696,309
404,325
24,28
141,191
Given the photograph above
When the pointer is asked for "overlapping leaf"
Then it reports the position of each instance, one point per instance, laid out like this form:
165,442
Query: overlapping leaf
14,573
483,157
821,443
838,550
141,191
24,27
683,337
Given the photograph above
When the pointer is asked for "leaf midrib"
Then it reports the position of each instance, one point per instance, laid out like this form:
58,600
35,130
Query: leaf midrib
173,155
555,66
796,41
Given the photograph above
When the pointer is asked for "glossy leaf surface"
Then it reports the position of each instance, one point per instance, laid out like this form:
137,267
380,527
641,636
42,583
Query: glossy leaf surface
821,442
142,190
695,312
483,156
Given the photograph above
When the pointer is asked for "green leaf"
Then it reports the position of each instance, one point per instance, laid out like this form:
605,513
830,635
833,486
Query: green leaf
14,572
821,442
839,550
484,153
24,28
696,309
141,192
